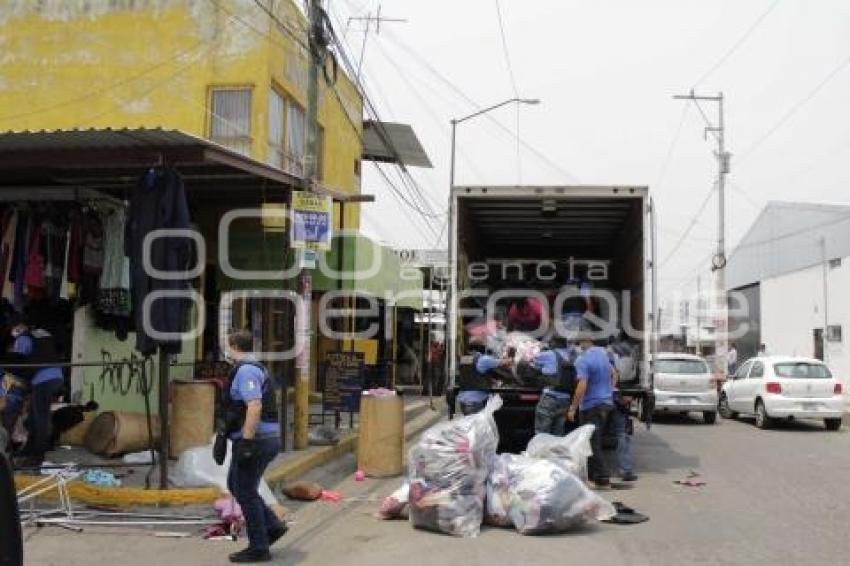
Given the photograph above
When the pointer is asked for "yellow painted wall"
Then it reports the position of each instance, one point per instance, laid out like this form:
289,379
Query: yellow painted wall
151,63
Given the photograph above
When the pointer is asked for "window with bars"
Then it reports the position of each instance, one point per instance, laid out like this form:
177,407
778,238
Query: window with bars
230,118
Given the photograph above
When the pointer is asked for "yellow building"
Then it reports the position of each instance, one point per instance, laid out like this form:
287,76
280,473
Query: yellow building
233,71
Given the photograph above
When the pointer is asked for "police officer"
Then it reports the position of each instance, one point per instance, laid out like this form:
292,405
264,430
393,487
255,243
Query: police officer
44,383
558,370
252,426
474,390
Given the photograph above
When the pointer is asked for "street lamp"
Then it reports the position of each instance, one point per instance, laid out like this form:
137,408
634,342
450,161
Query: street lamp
456,121
451,330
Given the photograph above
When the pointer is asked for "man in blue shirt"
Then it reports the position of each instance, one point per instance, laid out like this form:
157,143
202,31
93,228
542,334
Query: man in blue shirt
550,413
255,433
593,402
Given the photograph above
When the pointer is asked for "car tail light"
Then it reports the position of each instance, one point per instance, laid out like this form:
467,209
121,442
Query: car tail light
773,387
837,390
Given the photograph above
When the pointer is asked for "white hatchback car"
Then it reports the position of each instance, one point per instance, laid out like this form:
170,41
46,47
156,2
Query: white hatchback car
783,387
685,384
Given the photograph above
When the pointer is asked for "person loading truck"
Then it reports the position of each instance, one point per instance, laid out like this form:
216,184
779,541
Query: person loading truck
593,402
475,389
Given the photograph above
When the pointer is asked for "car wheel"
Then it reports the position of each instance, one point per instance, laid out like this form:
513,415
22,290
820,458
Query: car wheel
763,421
709,417
724,410
832,424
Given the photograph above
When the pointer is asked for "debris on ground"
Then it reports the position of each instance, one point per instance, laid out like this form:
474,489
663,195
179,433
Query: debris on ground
626,515
692,480
331,496
101,478
303,491
394,505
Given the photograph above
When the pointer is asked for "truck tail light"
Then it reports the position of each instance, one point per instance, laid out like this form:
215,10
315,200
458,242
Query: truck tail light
773,387
838,389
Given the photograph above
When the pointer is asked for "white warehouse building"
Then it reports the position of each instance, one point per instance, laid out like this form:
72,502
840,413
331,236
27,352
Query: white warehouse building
789,283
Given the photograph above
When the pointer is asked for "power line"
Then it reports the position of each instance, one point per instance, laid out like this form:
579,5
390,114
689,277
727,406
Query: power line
690,227
662,172
505,49
795,108
283,26
454,88
737,44
510,67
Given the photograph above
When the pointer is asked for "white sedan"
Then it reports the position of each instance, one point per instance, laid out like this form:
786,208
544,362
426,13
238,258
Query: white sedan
684,384
783,387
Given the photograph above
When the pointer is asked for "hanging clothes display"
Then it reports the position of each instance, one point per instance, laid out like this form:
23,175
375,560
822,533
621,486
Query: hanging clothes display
113,303
7,252
158,201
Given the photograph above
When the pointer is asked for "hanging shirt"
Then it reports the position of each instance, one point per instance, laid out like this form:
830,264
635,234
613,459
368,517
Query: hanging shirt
594,367
248,386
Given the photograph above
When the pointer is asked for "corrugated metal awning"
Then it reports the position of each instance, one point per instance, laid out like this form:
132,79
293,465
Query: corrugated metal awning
111,160
403,148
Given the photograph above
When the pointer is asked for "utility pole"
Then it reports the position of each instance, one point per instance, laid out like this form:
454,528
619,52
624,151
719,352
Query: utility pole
825,335
699,315
318,44
369,18
718,262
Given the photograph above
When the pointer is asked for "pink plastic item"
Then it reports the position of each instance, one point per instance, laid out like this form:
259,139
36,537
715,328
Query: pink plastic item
331,496
359,475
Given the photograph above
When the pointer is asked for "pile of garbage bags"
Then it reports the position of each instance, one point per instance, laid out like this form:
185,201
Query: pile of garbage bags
457,481
448,473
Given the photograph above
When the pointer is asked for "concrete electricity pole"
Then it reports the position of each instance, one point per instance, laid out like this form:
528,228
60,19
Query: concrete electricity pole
318,44
718,262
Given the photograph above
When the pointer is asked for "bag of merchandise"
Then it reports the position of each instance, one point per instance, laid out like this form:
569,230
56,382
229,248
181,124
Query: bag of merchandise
540,496
448,472
571,451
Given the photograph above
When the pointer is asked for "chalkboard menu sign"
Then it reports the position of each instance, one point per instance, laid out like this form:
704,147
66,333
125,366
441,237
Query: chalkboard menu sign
343,381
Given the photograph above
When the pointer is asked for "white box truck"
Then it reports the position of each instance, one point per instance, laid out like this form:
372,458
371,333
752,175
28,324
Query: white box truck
556,243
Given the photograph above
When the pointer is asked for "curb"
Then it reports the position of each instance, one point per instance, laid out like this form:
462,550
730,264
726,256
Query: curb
302,464
82,492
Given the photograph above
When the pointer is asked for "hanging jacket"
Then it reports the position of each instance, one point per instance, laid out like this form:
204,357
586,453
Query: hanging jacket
158,201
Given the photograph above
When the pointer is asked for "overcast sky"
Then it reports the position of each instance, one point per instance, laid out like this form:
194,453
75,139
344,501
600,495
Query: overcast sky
606,71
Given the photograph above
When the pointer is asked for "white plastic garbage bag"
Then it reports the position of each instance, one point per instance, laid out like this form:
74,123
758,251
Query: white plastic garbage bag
572,450
196,468
539,496
448,469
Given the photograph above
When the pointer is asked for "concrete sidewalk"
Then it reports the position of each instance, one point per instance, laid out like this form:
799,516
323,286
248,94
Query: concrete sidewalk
288,466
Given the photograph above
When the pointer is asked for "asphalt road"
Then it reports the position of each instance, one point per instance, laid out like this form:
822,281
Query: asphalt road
777,497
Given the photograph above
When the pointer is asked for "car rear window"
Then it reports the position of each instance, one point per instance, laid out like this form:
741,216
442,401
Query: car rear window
802,370
682,366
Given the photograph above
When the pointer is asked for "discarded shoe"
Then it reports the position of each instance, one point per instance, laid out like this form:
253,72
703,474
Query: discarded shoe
250,555
629,476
